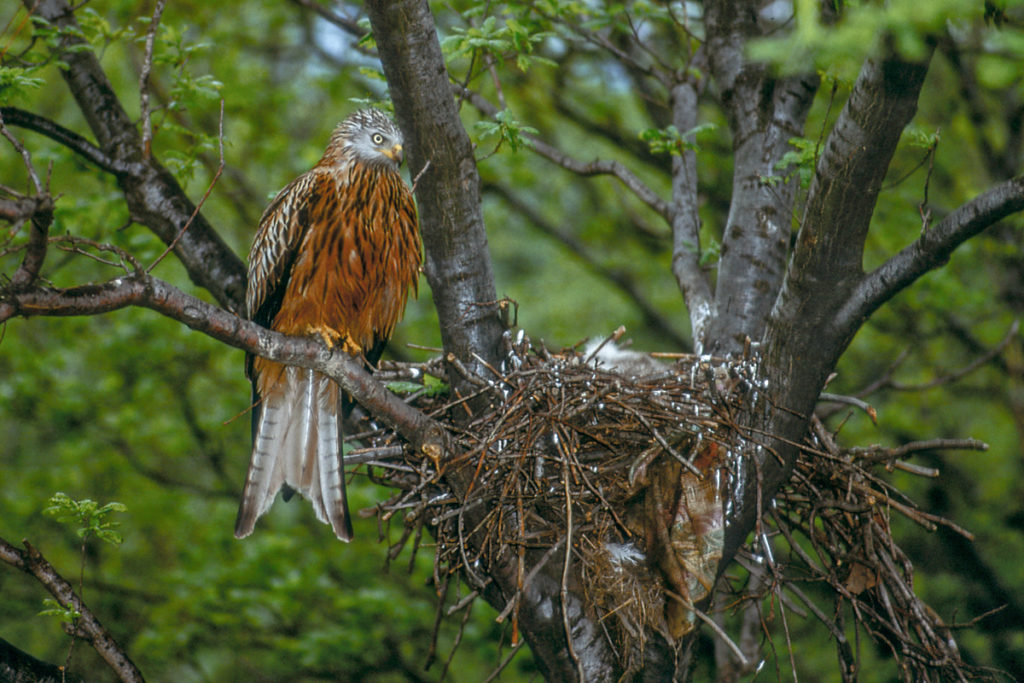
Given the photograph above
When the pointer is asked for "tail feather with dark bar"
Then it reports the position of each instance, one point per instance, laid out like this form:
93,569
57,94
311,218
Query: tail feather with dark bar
297,443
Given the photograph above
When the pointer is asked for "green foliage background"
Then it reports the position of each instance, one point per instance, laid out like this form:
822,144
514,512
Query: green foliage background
133,408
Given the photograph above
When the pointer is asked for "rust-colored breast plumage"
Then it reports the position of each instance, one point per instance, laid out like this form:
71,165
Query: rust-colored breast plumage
337,250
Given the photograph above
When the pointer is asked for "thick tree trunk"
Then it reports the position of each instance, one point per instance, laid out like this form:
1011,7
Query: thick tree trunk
803,341
764,113
17,666
458,263
458,267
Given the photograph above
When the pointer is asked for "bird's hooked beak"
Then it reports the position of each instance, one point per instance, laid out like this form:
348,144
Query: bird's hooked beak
395,154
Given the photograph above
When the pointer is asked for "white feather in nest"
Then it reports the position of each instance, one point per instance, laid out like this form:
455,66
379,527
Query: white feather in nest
625,362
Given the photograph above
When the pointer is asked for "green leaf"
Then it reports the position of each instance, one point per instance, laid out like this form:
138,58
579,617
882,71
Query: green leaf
922,138
15,82
800,161
507,128
55,609
710,254
88,515
670,141
404,387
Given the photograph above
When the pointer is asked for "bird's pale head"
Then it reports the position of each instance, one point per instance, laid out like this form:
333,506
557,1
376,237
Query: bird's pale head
368,136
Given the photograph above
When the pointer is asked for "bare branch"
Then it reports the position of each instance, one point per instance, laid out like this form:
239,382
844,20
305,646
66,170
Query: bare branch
830,246
586,169
35,250
684,218
868,409
147,66
38,210
1002,158
607,130
764,111
87,625
18,666
882,454
346,24
931,250
18,209
141,289
70,139
801,341
598,39
25,156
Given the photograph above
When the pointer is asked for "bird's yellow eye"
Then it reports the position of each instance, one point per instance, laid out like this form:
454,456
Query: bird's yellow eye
377,139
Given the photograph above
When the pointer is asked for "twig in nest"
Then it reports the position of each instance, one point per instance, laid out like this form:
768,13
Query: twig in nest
853,401
564,586
508,658
713,626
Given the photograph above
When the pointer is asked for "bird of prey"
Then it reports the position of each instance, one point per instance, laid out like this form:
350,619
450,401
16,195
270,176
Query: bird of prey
335,255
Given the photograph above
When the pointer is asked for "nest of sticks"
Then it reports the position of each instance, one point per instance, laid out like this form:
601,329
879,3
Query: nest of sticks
628,461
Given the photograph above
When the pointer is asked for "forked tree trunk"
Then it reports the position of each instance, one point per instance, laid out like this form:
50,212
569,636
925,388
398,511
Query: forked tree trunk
801,343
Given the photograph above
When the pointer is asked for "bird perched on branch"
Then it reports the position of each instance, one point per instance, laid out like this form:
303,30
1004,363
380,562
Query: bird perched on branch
334,256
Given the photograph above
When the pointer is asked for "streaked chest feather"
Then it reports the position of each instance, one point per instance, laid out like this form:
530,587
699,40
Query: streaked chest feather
358,257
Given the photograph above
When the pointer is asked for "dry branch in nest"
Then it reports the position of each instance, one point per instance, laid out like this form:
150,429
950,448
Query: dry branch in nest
630,465
831,524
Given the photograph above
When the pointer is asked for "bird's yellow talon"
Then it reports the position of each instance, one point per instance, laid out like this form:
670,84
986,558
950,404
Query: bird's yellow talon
350,347
330,336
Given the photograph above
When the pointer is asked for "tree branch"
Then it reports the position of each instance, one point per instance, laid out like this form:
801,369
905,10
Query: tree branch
147,67
592,168
349,26
1001,159
684,218
141,289
659,72
87,625
604,126
35,250
827,261
154,197
17,666
38,210
458,263
19,209
931,250
68,138
764,113
802,343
